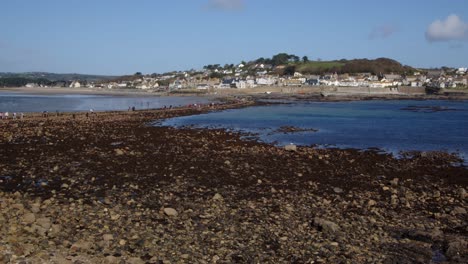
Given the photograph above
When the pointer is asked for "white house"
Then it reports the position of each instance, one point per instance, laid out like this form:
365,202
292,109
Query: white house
75,84
265,81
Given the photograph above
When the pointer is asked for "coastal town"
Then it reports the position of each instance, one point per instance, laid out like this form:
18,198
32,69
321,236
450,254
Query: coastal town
282,70
265,76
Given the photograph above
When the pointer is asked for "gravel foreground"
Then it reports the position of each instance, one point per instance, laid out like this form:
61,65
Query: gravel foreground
109,188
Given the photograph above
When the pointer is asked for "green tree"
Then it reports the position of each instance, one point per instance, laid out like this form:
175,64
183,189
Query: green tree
289,70
280,59
305,59
216,75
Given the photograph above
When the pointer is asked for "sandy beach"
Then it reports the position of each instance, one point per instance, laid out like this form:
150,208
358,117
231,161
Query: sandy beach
110,188
87,91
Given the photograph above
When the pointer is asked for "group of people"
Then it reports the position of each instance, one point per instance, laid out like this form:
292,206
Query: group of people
6,115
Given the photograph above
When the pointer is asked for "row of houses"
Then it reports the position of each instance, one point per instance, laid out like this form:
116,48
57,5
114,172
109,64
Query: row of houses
388,80
263,77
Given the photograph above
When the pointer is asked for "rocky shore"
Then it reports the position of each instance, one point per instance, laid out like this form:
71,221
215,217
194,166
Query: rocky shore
110,188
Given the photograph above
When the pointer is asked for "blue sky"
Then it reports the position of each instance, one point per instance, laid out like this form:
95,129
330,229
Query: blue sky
123,37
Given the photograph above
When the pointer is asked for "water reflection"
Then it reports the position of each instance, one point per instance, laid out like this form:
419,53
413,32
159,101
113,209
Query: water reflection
15,102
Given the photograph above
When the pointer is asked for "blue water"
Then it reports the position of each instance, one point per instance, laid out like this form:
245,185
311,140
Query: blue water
362,124
17,102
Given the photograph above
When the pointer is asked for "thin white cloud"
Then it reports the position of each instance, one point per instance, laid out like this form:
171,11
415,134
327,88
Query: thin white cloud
383,31
452,28
230,5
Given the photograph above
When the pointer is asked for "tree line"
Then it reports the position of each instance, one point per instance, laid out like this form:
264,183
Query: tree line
20,82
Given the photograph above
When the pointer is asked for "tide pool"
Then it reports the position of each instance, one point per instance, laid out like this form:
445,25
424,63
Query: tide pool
392,126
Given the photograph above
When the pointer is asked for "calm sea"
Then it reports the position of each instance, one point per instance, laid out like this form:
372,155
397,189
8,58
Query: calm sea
17,102
392,126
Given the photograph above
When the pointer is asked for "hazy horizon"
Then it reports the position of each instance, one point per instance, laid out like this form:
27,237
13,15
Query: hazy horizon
123,37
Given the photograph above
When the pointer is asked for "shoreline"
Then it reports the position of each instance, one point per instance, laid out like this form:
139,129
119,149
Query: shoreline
110,188
84,91
255,93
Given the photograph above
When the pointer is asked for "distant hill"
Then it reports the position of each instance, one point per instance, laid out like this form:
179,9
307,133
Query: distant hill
377,66
9,79
56,76
289,63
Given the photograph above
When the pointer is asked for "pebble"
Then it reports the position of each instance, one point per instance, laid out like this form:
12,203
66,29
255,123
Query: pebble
458,210
112,260
217,197
119,152
290,147
136,260
462,193
337,190
326,225
107,237
170,211
29,218
44,222
35,208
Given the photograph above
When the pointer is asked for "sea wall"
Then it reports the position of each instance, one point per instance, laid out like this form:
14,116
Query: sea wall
324,90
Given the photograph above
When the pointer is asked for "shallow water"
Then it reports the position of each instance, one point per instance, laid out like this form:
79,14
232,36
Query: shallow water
388,125
17,102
